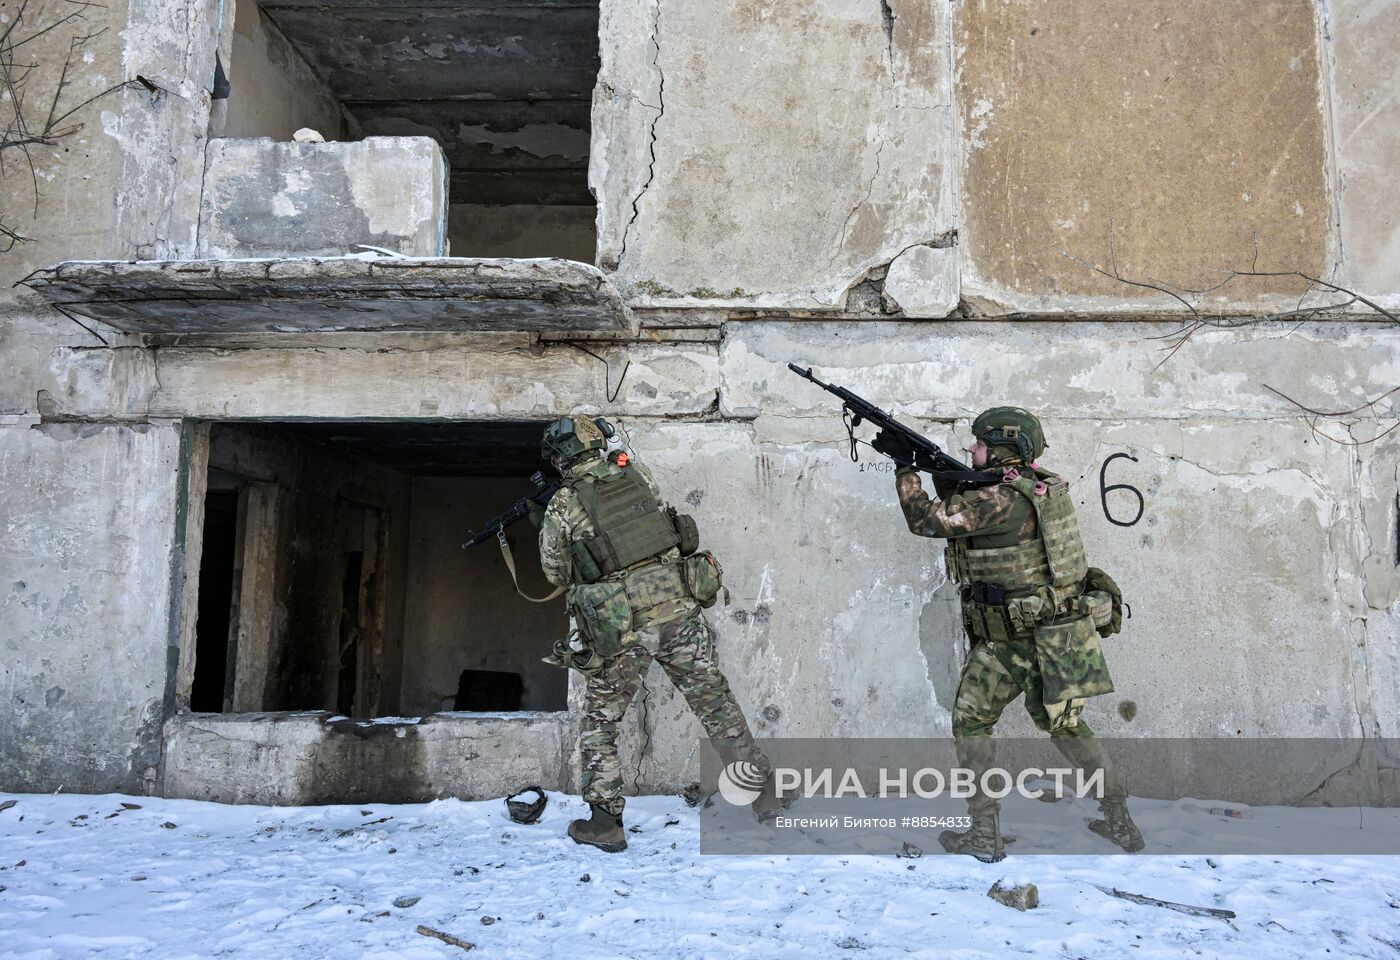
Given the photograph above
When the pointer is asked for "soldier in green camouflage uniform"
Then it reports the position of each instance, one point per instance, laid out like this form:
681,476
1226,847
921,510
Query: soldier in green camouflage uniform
663,621
1015,552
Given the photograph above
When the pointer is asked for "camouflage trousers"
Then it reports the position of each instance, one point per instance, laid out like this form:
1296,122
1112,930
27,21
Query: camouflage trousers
685,648
996,674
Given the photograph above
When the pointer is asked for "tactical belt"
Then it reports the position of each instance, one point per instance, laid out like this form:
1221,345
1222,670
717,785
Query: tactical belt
994,616
626,571
996,594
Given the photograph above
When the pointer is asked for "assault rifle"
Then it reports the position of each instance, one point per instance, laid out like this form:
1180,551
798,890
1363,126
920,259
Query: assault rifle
928,456
544,490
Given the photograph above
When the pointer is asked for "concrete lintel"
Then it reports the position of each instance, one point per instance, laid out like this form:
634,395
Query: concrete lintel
177,297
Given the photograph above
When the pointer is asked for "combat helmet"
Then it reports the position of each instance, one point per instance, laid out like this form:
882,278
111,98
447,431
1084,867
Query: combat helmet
1012,427
569,438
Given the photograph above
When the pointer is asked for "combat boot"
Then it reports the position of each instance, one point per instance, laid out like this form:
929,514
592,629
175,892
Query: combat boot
1118,826
767,804
602,830
982,841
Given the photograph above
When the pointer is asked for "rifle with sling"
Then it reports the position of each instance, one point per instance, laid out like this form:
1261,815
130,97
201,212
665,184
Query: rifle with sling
927,455
544,491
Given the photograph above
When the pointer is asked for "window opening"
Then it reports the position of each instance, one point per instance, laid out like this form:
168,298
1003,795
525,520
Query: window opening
506,89
332,575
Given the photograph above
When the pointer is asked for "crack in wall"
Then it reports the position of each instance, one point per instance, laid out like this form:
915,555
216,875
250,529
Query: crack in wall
876,274
887,19
651,132
855,208
1359,645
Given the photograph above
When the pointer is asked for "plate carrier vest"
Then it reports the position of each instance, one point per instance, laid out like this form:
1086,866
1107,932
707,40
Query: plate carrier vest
1052,561
630,525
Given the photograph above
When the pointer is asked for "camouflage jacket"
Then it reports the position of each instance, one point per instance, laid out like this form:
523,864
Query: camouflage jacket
655,591
996,512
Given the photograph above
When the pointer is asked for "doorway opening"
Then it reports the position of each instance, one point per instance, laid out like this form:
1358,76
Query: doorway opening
215,595
332,575
506,89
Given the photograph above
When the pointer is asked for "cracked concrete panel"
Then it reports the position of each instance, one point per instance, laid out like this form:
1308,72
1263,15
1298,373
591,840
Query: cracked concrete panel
172,46
923,282
85,583
1366,131
1240,622
1376,612
103,191
268,199
1178,139
1095,370
768,154
500,382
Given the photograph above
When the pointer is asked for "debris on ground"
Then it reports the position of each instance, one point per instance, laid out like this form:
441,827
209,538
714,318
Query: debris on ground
1020,896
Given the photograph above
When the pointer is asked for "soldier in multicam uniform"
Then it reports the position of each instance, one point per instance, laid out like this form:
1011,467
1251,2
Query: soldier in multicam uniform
1031,606
636,586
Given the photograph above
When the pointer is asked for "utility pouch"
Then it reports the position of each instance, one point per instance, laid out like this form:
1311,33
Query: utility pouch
686,531
1099,582
1026,612
703,578
586,569
1072,666
603,616
987,622
1099,607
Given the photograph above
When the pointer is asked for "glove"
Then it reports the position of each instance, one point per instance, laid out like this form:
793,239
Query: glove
536,514
896,446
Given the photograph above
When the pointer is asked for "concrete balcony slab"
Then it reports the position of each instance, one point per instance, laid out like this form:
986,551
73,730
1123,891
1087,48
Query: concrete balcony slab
168,298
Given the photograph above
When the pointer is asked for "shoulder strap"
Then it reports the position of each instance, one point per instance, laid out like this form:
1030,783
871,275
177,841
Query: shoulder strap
510,565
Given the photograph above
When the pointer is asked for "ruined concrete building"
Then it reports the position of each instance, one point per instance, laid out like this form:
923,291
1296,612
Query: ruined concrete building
257,388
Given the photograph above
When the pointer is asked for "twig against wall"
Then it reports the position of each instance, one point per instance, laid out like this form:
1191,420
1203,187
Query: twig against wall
1314,416
1339,299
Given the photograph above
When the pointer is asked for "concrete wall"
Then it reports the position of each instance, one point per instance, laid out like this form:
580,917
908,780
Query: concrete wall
462,612
893,192
272,91
94,521
92,537
1365,103
302,759
768,154
1089,123
267,199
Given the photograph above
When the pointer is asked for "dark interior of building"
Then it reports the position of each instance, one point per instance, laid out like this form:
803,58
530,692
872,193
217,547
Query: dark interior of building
333,576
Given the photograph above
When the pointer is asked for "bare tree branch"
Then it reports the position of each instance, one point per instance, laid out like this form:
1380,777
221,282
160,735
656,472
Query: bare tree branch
1190,297
1315,415
10,238
19,67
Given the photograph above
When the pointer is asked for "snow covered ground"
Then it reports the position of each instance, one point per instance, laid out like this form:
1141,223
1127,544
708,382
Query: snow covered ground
87,876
